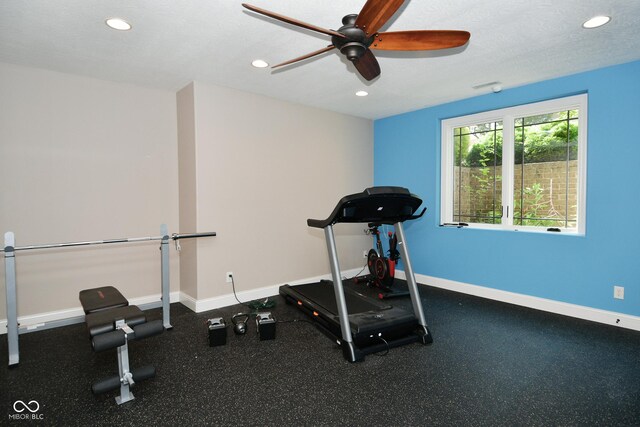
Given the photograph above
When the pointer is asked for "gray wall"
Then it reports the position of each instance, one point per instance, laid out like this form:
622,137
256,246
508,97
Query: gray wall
85,159
262,167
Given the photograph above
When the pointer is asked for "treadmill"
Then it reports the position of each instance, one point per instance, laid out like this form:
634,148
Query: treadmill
359,324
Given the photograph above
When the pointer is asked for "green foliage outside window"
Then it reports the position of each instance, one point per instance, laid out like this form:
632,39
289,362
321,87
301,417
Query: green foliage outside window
547,138
546,142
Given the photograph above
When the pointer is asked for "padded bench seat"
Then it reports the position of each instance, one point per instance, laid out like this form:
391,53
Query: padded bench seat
104,307
103,321
103,298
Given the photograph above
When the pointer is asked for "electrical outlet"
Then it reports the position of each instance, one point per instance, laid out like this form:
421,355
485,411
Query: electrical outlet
365,253
618,292
229,276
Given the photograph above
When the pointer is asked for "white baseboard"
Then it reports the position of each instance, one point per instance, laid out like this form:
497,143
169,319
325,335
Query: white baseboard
73,315
245,296
76,314
54,319
572,310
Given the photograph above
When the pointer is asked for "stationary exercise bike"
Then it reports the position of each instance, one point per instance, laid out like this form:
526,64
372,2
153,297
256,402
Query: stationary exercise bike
382,269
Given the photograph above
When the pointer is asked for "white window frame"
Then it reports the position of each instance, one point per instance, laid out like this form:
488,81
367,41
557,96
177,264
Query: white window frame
508,116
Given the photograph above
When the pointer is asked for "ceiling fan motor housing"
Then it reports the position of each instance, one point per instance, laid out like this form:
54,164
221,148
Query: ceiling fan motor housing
355,43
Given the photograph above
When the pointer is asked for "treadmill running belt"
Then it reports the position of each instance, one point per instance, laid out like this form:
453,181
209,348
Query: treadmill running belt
356,302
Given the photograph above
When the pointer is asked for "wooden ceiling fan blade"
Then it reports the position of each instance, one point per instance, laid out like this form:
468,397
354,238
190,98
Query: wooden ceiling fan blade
309,55
420,40
375,13
367,65
292,21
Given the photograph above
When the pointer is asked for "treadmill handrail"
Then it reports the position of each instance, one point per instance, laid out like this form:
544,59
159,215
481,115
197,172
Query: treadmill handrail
380,205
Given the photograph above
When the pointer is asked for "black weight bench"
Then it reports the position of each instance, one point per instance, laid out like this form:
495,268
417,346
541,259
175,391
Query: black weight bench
112,323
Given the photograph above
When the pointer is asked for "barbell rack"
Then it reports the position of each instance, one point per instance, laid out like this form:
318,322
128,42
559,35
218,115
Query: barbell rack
10,250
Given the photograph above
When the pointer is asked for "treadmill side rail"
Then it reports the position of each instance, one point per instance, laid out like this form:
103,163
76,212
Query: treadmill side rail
411,278
338,289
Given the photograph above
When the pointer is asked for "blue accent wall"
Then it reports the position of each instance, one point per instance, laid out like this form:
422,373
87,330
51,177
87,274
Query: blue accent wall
574,269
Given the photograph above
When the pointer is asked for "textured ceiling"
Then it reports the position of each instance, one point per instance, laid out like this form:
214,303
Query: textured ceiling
174,42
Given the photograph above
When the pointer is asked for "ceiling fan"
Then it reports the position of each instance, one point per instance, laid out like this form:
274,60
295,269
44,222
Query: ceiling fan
359,34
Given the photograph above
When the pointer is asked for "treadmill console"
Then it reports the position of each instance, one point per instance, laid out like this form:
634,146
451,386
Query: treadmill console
379,205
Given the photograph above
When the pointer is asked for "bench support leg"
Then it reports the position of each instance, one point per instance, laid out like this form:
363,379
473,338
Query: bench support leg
126,378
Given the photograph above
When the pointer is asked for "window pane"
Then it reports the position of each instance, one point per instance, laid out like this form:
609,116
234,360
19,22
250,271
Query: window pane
546,170
478,173
544,118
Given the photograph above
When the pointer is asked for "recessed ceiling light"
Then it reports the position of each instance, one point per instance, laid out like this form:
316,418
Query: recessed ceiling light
596,21
259,63
362,93
118,24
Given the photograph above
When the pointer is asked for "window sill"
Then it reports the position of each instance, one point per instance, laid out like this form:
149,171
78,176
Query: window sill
534,230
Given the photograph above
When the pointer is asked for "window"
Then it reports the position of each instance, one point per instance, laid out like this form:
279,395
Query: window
518,168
